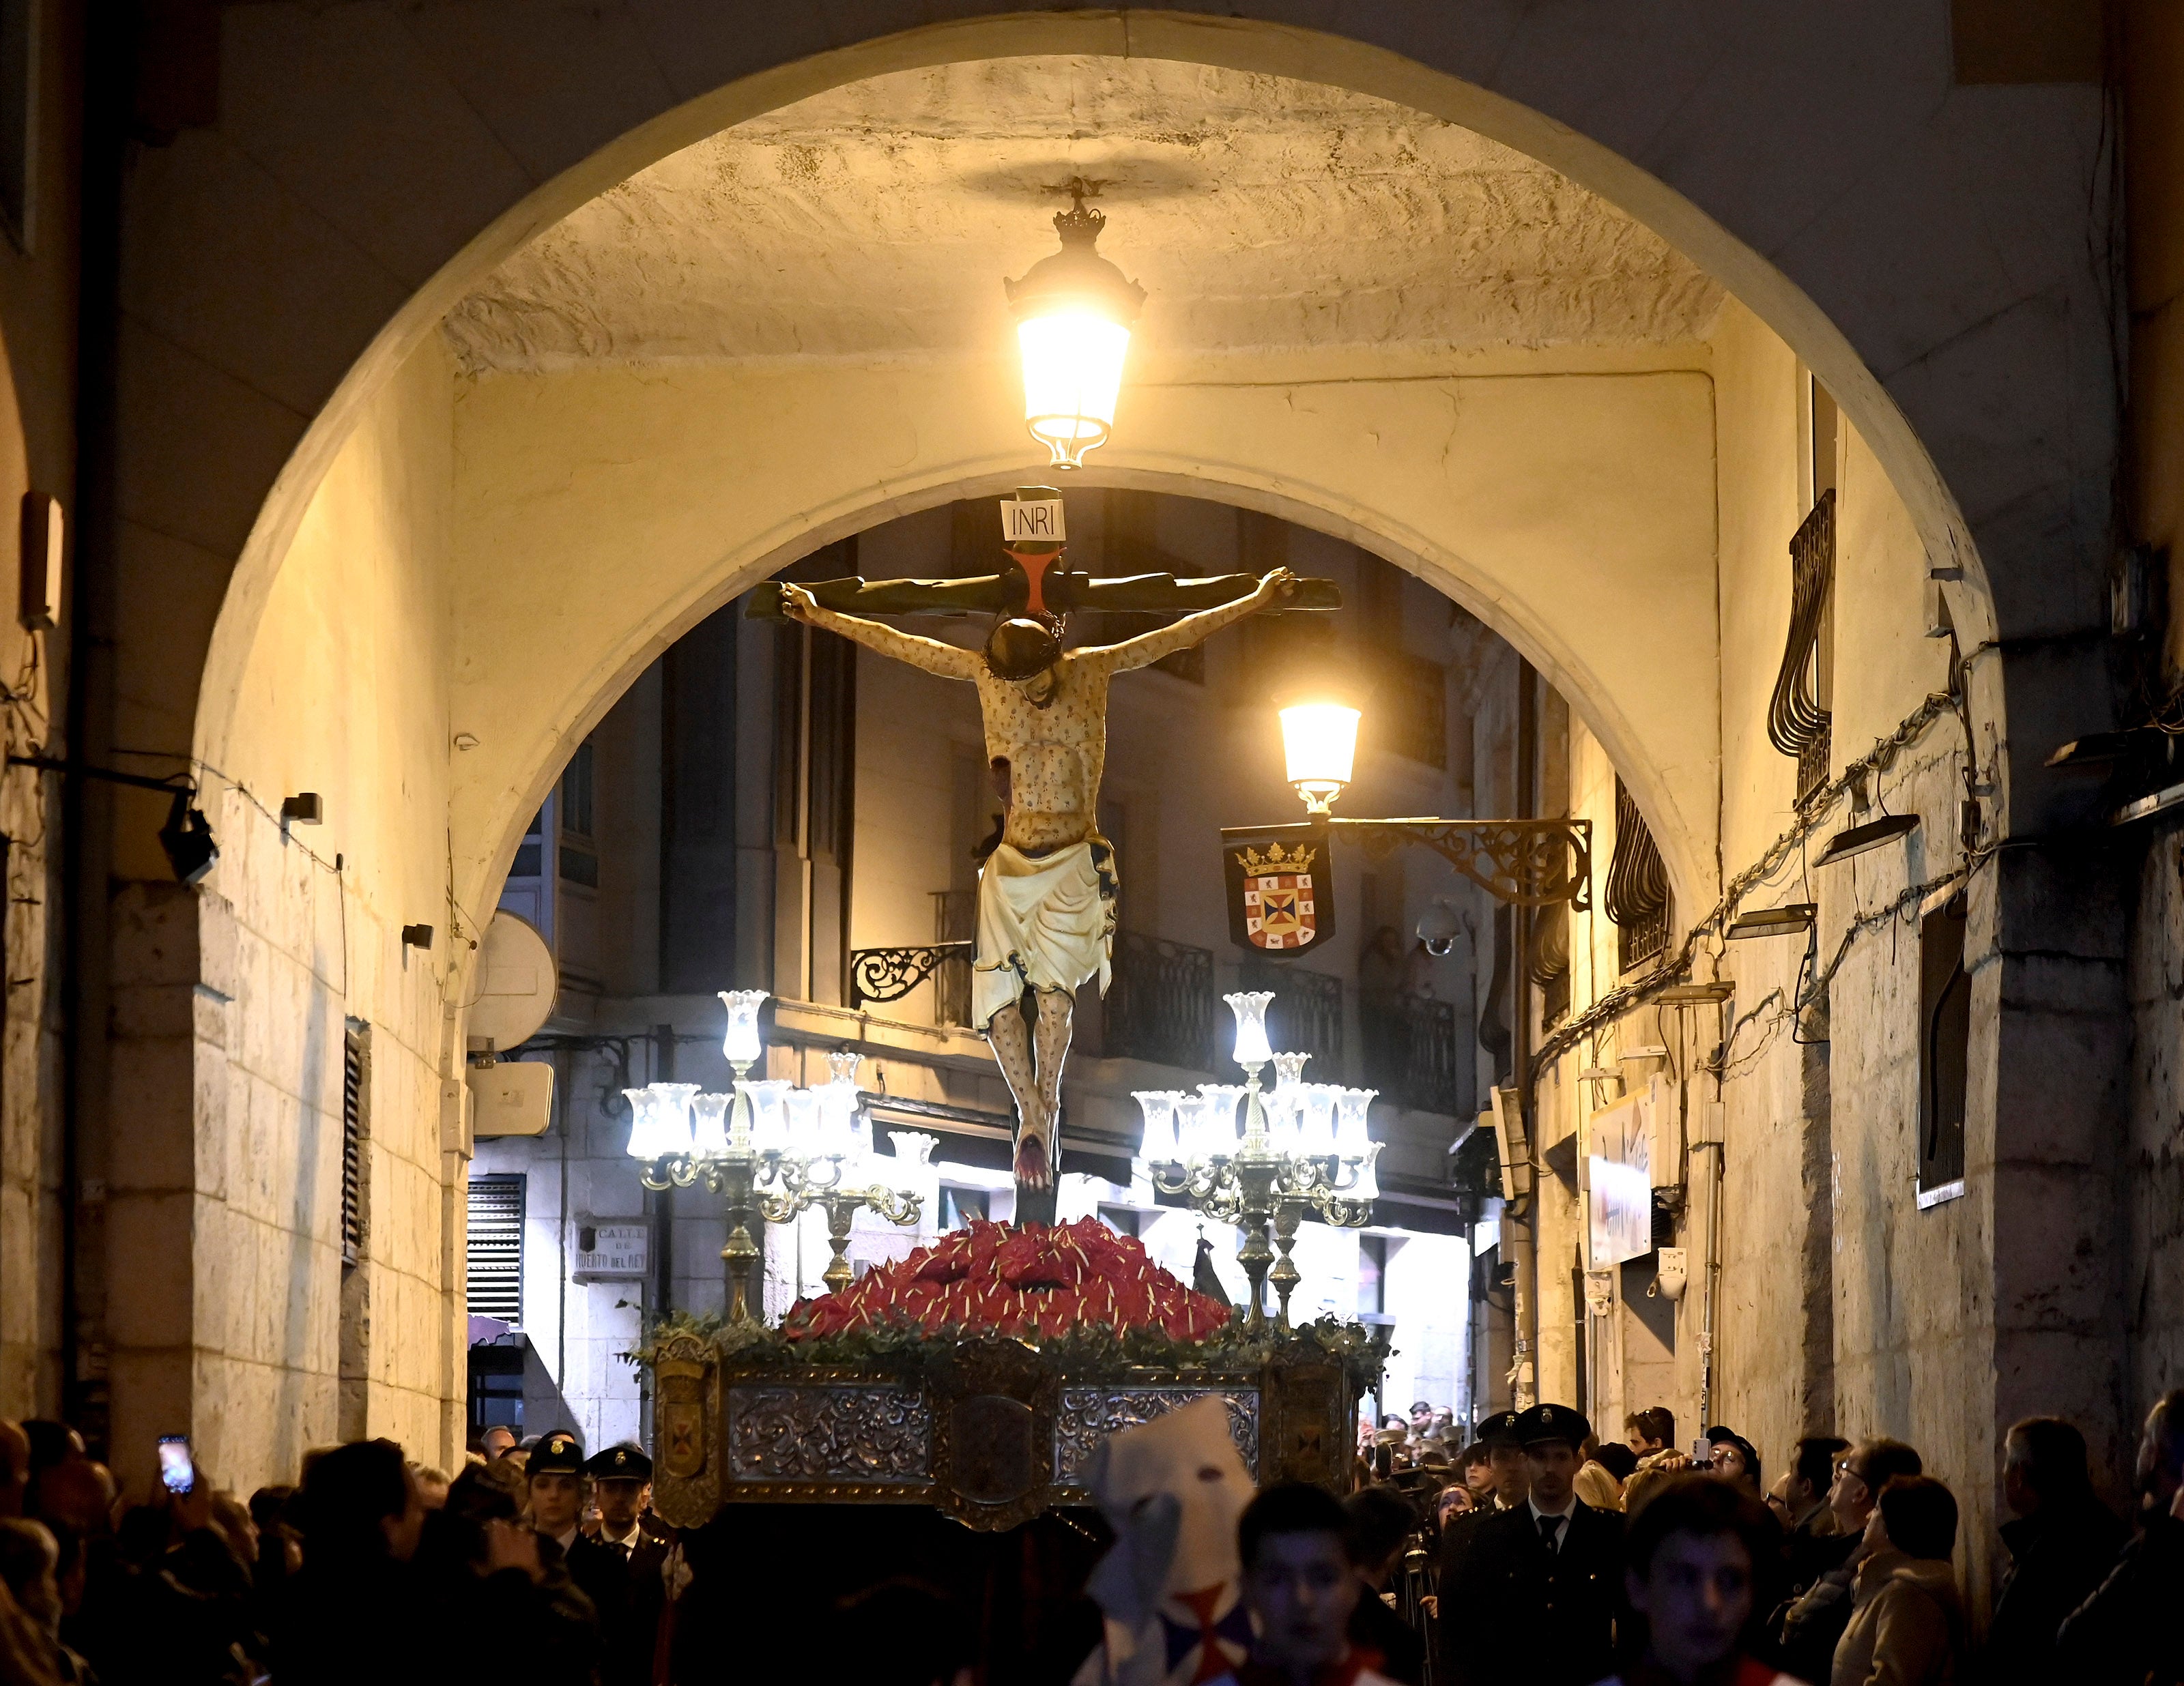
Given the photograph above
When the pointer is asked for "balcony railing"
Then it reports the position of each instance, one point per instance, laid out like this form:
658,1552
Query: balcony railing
1160,1004
1306,1016
955,919
1409,1051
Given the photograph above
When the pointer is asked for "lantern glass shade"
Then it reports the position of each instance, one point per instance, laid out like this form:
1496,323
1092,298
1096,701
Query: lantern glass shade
1190,1112
672,1119
1350,1106
1073,376
1159,1146
769,1121
804,1123
1252,1048
1221,1100
644,1141
1319,742
741,1045
1369,1180
1285,1120
837,1114
710,1138
1316,1136
1289,1070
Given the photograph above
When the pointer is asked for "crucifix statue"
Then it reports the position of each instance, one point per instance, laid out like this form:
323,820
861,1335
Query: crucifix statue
1046,893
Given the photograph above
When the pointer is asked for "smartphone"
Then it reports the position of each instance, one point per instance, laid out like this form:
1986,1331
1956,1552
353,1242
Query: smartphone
175,1469
1702,1454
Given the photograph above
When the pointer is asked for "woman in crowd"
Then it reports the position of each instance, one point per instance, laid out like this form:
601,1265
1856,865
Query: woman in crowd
1907,1621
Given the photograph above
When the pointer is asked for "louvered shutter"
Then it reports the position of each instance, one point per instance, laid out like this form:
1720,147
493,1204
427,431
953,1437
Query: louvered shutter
496,1247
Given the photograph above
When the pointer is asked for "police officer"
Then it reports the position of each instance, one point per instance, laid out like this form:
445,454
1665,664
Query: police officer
556,1476
1531,1592
622,1484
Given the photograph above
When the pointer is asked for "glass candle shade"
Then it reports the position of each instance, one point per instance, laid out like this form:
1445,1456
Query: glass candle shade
1285,1120
1158,1145
1250,1007
741,1045
1369,1180
1350,1106
838,1117
645,1143
672,1121
1316,1133
1289,1070
709,1139
804,1126
1190,1129
1220,1125
769,1118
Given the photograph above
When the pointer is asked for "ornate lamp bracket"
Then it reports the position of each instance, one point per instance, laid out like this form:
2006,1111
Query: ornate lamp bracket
1527,863
890,974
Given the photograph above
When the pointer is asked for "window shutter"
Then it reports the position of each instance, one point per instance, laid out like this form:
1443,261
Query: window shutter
496,1247
356,1067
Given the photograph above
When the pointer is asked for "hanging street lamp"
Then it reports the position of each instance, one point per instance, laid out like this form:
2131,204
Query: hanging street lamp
770,1150
1074,311
1319,745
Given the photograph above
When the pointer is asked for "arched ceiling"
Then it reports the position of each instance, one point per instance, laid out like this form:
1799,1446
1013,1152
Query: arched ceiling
878,218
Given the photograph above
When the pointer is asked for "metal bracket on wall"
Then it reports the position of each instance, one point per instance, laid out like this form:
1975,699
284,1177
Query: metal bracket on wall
1527,863
890,974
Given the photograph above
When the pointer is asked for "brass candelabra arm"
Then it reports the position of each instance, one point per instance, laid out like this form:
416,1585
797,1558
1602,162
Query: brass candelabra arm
1341,1213
782,1205
652,1178
896,1206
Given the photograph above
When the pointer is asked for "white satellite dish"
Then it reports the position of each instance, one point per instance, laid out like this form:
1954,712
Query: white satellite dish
517,982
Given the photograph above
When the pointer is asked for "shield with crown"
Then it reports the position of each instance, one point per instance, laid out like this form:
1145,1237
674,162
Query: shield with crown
1280,889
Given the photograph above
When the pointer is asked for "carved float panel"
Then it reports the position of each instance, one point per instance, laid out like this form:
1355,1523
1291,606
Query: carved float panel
833,1434
1089,1415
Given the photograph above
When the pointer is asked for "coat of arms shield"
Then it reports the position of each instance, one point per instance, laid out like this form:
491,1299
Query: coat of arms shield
1281,886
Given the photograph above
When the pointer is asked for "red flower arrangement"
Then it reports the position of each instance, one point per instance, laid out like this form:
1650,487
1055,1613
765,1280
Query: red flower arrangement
1035,1281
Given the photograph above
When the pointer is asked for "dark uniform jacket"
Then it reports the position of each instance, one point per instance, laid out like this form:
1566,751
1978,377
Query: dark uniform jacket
634,1634
1513,1611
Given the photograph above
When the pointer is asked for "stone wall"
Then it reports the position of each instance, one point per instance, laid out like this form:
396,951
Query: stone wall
233,1314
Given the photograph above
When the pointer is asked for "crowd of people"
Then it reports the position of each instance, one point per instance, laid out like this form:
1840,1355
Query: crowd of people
1535,1552
1539,1553
374,1567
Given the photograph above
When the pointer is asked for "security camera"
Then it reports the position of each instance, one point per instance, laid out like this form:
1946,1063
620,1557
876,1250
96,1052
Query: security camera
1440,927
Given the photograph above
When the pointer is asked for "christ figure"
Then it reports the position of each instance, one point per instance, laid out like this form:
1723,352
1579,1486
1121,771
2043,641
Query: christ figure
1046,894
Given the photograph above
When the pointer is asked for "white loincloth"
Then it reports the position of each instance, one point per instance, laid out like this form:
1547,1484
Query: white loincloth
1044,923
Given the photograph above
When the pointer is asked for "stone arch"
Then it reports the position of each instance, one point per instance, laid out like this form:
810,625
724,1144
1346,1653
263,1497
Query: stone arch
1685,838
1240,42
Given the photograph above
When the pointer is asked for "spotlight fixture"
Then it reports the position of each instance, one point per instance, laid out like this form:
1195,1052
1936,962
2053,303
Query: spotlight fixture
308,809
187,838
1772,921
1871,835
417,936
1074,311
1683,994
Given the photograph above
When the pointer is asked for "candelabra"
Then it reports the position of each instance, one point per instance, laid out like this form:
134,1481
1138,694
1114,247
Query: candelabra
771,1150
1304,1150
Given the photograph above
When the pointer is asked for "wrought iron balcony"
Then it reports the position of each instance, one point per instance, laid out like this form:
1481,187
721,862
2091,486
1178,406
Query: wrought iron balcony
1409,1051
1160,1004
